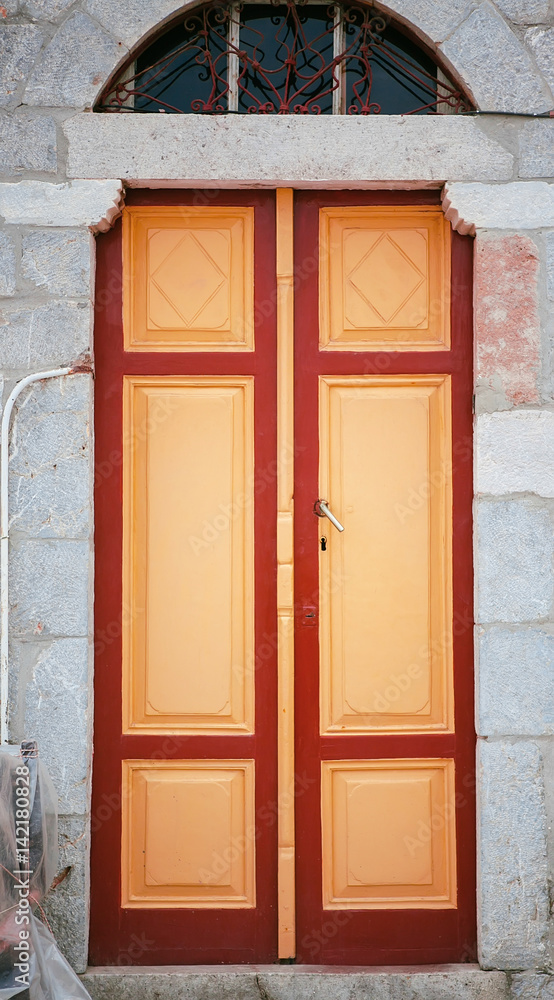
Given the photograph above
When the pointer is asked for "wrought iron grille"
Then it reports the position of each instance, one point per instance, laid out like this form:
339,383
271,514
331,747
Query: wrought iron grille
284,58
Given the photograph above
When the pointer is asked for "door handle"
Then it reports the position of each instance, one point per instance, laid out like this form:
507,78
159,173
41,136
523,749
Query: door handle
321,508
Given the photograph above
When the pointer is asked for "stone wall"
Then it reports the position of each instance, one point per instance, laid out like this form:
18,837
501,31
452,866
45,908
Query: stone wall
56,161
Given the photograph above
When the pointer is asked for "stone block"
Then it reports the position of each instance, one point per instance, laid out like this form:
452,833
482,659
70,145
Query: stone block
52,335
69,393
509,83
95,203
23,655
456,984
62,81
507,323
50,587
19,47
7,265
130,21
45,10
550,264
222,983
57,715
541,43
532,986
27,143
59,260
515,453
67,906
524,11
283,149
54,501
297,983
436,19
514,562
519,205
515,682
536,147
512,856
50,485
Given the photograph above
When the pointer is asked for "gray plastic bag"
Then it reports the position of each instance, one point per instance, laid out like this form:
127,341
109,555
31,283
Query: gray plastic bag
30,964
53,978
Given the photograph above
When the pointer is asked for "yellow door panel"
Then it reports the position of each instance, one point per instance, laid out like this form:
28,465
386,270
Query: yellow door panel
385,599
388,834
188,279
188,834
383,275
188,562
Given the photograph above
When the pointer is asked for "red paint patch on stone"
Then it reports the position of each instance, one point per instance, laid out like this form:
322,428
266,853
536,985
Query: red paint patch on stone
3,12
507,325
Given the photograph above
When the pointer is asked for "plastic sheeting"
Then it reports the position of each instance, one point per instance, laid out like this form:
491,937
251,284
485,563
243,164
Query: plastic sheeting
30,962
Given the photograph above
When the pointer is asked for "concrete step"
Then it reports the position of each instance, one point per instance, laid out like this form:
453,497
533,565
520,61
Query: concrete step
274,982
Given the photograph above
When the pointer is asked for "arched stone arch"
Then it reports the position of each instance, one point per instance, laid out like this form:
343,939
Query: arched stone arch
478,44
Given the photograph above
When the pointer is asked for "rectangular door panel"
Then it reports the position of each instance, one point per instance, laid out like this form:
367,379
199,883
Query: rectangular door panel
385,629
389,834
188,554
188,834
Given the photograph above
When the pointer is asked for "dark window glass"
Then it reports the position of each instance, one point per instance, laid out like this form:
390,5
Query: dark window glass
398,75
271,36
174,72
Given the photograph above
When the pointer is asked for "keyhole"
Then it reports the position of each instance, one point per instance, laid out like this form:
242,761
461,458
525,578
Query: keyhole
323,543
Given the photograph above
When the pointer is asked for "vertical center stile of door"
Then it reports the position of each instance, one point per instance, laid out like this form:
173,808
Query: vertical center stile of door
285,588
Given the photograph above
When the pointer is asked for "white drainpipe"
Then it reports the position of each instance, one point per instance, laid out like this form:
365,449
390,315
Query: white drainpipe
4,530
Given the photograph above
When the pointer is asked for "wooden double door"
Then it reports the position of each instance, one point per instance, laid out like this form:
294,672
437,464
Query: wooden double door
283,724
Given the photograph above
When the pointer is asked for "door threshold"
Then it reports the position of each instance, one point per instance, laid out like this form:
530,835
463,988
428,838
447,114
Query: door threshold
295,982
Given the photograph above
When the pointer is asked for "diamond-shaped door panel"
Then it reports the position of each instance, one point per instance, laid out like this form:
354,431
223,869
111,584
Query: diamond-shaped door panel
381,278
190,285
190,282
381,282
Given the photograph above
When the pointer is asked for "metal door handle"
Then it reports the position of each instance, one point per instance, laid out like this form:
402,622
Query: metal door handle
321,508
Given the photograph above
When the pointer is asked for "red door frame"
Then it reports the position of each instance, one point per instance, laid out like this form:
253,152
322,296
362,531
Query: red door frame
379,937
142,937
157,936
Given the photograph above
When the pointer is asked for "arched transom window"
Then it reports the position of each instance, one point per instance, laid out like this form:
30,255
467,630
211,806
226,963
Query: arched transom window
284,58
